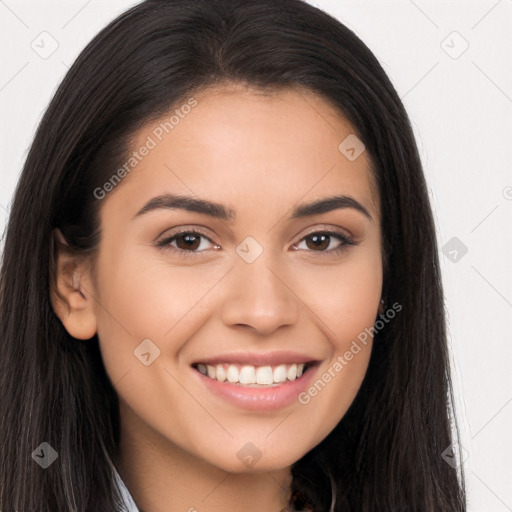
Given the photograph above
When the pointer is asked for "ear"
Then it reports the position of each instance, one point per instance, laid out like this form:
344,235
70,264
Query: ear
71,290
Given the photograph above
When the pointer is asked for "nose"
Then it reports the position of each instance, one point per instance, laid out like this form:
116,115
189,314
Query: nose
259,298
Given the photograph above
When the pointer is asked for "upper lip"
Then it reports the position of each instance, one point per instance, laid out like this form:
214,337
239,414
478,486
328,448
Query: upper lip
258,358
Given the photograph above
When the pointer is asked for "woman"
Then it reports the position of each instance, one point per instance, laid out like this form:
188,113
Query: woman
220,286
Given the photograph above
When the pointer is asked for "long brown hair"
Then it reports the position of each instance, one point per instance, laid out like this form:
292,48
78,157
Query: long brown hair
385,453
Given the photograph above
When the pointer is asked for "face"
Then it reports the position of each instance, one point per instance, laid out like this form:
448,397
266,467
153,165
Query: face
263,294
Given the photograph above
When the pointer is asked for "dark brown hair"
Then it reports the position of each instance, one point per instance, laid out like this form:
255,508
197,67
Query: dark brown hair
385,453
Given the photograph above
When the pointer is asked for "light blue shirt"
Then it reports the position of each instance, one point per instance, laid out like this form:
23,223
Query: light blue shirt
129,504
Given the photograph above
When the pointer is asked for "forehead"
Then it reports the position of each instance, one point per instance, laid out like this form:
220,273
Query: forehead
241,144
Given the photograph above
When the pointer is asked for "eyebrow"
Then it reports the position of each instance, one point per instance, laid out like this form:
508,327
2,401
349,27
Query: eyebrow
220,211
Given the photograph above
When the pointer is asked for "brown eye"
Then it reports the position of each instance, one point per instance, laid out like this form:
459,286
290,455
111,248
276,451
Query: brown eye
188,241
325,242
318,241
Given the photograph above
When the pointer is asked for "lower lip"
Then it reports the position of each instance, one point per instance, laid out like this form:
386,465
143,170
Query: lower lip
259,399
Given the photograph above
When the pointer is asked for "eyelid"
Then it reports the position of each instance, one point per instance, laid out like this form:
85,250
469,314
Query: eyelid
326,228
187,228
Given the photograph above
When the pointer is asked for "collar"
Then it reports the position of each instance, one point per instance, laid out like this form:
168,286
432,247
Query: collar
128,504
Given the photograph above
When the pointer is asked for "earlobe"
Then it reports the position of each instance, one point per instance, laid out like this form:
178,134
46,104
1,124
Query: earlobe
71,291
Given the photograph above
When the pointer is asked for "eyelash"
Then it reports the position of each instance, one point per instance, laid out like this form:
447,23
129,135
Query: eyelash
346,241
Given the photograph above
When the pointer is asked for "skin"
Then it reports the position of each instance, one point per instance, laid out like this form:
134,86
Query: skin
261,154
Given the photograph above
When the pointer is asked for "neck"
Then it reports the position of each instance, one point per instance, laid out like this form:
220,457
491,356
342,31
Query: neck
161,477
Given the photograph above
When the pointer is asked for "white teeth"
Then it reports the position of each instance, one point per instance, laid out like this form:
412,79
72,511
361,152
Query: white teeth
292,372
280,373
211,371
264,375
221,373
232,374
247,375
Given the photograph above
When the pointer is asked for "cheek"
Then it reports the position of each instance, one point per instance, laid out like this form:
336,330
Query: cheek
345,300
144,298
149,295
344,296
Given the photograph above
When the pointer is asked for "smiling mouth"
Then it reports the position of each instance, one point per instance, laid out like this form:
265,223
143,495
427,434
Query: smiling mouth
254,376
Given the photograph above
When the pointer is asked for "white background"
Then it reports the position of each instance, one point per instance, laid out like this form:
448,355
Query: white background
461,111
